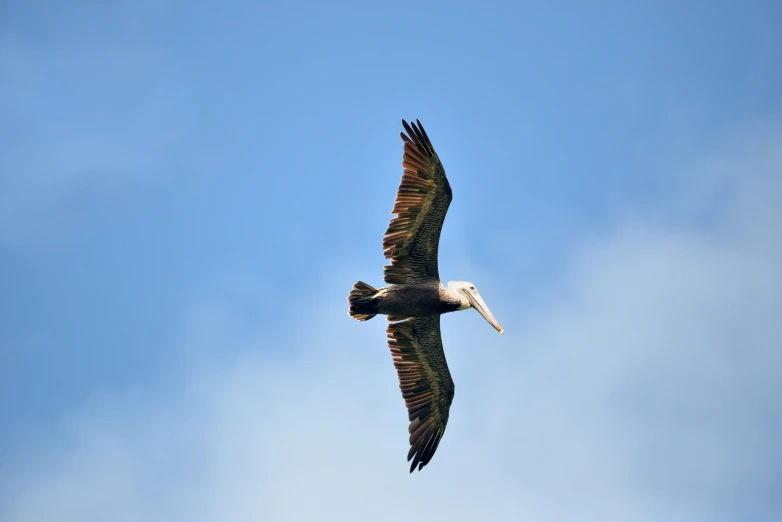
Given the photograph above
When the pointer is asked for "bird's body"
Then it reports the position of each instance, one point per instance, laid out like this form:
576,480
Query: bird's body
416,298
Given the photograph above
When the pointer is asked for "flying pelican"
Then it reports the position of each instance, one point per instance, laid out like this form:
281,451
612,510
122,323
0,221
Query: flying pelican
416,298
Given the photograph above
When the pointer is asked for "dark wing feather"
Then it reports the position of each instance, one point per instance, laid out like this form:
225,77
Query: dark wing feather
422,201
426,384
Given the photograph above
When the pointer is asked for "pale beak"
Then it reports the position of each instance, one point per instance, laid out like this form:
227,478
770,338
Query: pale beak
477,302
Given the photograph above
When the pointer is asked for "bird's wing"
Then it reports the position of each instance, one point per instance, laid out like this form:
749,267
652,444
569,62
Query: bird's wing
422,201
426,384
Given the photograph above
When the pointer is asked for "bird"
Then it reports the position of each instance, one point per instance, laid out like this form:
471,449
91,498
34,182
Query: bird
415,297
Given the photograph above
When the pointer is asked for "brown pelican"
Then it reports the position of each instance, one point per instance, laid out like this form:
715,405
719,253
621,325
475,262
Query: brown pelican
416,298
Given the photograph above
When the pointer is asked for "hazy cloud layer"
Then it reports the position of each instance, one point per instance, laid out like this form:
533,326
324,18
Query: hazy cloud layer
647,388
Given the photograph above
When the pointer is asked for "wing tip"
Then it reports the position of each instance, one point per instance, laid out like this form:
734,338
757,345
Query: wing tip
417,135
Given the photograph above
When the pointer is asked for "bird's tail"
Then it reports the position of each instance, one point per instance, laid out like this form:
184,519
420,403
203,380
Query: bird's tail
363,303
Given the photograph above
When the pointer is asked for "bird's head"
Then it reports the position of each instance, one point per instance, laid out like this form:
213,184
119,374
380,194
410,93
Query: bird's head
470,298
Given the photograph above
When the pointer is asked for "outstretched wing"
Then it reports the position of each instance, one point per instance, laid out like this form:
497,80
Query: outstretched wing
422,201
426,384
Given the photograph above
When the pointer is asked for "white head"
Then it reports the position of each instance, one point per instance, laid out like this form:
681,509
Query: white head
467,294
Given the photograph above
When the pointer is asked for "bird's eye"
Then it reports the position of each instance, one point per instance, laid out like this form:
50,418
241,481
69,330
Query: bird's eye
472,288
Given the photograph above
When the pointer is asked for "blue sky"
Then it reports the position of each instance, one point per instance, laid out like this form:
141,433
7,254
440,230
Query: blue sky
188,191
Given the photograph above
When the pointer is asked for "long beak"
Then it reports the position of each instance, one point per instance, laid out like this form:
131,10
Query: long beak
477,302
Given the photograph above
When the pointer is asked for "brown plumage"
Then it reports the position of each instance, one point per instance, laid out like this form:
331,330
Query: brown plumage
416,298
426,384
422,201
411,242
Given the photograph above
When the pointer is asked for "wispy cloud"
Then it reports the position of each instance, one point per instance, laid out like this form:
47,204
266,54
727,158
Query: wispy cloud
645,389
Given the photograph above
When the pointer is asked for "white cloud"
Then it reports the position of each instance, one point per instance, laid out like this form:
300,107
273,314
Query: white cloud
646,390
